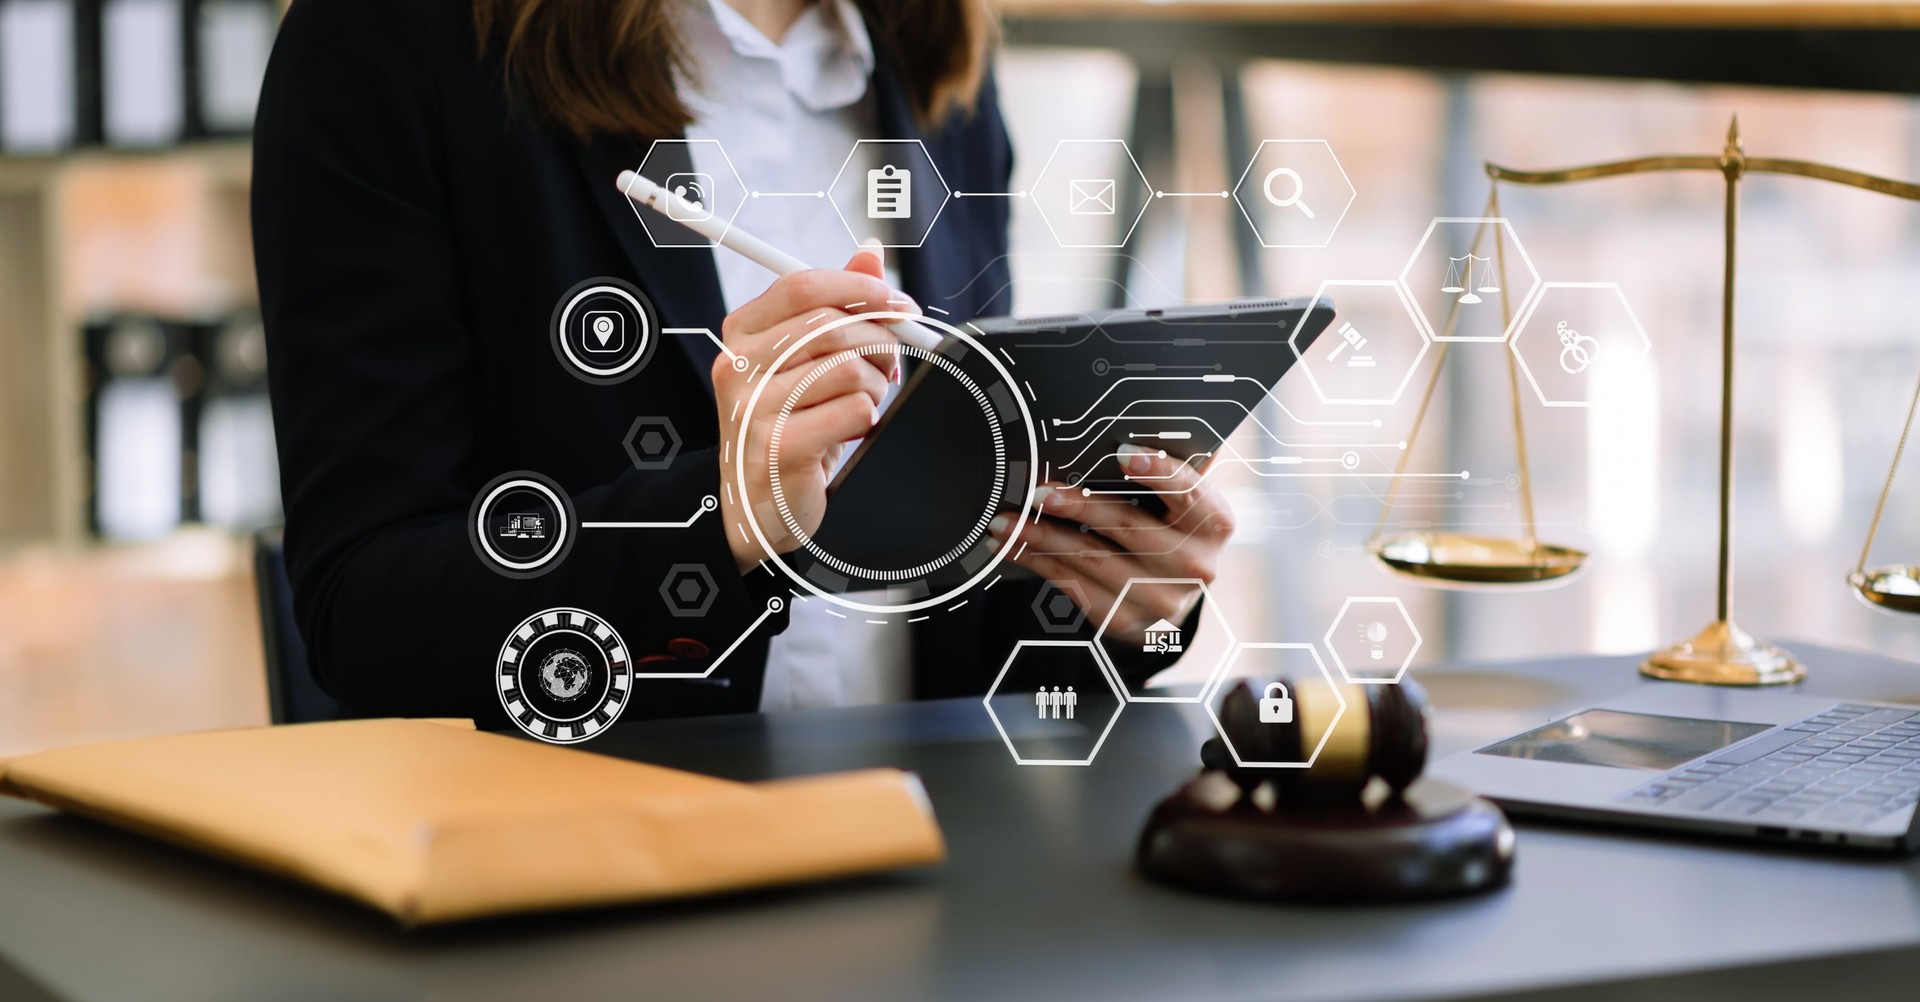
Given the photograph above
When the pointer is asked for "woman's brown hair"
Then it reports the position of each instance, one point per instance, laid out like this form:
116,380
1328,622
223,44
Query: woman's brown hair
608,66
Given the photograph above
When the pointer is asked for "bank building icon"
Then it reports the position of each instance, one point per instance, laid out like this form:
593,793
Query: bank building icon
1161,638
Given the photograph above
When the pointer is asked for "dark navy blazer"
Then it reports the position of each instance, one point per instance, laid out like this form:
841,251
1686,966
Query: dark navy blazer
414,226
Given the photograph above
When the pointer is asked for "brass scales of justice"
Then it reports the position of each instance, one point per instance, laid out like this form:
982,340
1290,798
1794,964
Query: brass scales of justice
1723,653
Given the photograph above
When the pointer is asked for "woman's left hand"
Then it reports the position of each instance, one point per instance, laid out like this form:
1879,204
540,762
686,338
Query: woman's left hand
1121,542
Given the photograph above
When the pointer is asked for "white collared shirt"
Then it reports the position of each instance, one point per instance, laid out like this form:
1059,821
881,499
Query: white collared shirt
786,116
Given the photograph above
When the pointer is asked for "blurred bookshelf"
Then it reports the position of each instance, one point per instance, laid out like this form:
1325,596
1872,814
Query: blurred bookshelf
124,226
105,641
84,233
124,173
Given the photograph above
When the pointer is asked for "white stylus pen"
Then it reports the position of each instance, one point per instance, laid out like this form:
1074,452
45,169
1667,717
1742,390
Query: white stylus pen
642,191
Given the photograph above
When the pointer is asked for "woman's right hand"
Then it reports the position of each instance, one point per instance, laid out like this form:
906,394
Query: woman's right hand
840,405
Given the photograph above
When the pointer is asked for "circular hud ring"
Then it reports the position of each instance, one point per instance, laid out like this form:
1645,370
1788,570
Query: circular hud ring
979,526
563,675
973,377
521,524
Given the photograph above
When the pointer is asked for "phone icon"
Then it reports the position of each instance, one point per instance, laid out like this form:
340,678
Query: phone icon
697,192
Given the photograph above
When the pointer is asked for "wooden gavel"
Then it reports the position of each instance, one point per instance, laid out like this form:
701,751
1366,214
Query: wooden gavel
1383,733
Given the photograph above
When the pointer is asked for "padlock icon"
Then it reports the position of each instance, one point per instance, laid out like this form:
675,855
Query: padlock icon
1277,709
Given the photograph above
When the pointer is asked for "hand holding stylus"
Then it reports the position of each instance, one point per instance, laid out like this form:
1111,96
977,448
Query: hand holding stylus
840,404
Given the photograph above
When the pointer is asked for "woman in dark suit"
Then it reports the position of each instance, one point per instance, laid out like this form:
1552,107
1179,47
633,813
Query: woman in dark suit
432,176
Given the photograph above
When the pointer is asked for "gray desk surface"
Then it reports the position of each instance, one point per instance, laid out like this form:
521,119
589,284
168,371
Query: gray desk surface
1038,900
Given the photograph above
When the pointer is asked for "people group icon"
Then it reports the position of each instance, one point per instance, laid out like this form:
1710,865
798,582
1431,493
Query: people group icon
1052,705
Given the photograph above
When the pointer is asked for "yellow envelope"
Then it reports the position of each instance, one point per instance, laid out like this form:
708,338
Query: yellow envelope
433,823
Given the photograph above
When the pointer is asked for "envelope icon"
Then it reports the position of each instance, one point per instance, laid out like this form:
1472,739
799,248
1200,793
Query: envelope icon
1090,196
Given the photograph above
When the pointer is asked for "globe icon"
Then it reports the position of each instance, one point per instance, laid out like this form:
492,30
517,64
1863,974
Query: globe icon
564,675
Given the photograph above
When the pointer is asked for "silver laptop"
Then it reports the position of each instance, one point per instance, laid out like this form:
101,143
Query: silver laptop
1755,764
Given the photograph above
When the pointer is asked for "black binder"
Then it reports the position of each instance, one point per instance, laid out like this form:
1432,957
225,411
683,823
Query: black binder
142,72
227,42
236,469
140,373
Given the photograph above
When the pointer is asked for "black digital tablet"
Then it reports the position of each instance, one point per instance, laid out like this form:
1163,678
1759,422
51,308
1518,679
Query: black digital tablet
1024,400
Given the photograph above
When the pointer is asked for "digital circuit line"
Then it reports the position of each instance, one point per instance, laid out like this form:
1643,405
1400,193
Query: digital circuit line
709,335
774,605
1087,414
707,504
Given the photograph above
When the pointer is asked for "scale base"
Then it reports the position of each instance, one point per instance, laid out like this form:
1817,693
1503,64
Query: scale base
1724,654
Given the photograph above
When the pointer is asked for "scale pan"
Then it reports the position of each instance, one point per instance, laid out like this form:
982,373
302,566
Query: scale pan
1895,589
1458,558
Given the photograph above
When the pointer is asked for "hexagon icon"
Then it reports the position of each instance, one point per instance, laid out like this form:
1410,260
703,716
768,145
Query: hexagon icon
688,590
889,189
1576,338
1372,640
698,170
1294,193
1162,641
1458,287
1310,687
1370,351
651,443
1060,606
1055,701
1091,193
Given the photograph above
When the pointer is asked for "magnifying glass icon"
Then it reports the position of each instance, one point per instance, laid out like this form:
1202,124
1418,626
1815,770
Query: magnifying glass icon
1293,200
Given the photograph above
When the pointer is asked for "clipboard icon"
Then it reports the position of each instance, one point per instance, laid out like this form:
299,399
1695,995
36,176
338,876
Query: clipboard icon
889,193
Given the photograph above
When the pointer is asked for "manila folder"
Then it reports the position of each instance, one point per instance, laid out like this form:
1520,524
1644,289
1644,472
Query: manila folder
434,823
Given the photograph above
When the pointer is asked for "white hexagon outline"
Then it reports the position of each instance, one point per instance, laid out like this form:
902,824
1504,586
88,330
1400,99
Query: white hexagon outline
1533,304
1512,234
1334,649
1214,715
946,190
1406,303
1206,601
1039,204
1106,671
1352,192
642,216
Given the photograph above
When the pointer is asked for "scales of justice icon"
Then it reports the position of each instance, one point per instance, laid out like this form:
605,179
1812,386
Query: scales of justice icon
1460,279
1723,653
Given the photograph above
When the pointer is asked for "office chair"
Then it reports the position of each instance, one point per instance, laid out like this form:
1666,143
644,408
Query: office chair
293,697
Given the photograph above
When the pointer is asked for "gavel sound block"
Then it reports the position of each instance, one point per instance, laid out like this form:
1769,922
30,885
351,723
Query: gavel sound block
1359,826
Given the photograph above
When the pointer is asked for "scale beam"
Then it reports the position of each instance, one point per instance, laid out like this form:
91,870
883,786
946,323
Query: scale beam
1723,653
1747,165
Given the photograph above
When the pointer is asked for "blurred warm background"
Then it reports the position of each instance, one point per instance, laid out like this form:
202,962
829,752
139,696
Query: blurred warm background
135,444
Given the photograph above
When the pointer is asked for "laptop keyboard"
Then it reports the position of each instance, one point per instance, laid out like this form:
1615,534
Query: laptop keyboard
1846,766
